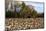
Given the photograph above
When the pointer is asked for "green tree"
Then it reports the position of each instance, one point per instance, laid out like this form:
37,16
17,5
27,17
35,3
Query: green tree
34,13
27,12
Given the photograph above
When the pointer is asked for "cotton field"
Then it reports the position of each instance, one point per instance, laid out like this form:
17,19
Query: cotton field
24,23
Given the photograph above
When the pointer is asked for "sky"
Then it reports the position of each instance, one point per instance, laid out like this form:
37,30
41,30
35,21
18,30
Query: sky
37,6
31,0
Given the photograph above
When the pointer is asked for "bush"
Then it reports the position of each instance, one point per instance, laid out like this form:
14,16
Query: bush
10,14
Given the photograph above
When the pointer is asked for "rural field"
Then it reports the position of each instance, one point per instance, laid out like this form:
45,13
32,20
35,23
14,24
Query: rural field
24,23
23,15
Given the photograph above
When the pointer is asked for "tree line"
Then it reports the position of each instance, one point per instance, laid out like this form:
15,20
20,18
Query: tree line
25,12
